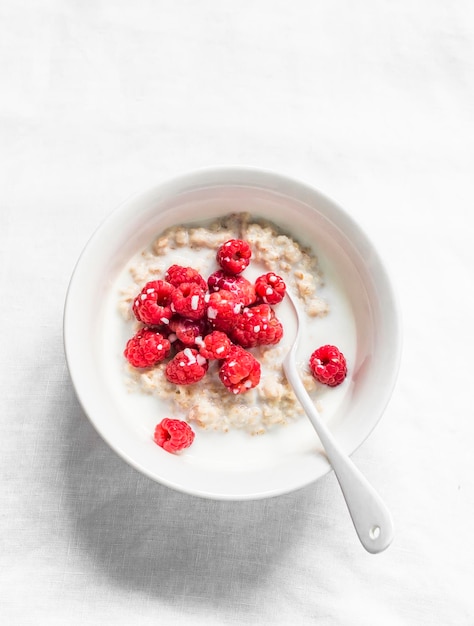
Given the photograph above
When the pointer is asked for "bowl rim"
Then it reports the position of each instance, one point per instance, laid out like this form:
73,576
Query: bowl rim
225,176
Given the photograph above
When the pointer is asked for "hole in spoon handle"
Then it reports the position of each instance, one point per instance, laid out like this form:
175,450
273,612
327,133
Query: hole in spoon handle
374,532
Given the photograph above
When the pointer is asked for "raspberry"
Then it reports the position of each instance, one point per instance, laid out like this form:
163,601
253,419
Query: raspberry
234,255
215,345
186,367
223,309
188,301
240,371
257,326
270,288
153,304
173,435
177,274
328,365
146,348
238,285
187,331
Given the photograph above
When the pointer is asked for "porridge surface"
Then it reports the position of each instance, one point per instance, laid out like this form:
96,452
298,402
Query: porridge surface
208,403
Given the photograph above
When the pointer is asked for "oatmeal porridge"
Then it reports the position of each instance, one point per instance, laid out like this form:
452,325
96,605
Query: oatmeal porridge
207,403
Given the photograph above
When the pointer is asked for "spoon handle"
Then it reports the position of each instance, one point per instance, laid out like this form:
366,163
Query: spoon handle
370,515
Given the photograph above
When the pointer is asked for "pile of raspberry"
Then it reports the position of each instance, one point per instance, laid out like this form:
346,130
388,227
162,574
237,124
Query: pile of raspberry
189,321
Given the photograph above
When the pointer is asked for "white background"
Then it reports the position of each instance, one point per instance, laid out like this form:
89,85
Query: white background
371,102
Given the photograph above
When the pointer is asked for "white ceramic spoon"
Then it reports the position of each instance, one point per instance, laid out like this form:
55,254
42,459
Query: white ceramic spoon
371,518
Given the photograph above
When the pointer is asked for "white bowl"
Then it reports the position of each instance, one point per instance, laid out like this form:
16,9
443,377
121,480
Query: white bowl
234,465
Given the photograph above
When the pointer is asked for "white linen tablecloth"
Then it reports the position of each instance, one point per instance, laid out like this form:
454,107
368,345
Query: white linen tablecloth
371,102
